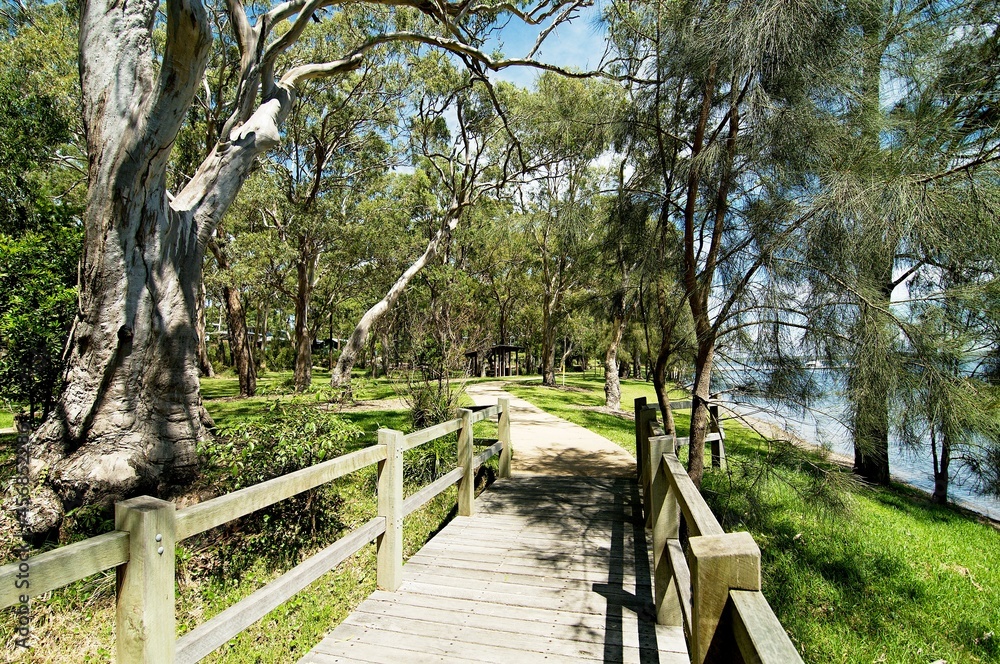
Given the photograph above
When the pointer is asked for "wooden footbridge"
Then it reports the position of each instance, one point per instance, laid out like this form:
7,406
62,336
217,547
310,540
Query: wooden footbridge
538,568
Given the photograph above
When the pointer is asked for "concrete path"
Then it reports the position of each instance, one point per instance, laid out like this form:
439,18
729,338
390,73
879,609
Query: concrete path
548,445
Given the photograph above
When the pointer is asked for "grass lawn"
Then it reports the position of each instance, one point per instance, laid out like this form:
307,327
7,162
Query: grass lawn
887,578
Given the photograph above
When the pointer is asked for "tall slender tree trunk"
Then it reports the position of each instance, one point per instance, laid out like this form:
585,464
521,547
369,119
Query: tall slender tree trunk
236,321
662,392
612,386
204,363
699,409
239,341
869,386
942,461
303,337
262,320
548,347
869,383
341,376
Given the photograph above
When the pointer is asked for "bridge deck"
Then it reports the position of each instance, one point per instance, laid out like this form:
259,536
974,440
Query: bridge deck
551,569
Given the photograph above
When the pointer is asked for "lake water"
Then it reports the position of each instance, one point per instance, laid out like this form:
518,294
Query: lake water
823,425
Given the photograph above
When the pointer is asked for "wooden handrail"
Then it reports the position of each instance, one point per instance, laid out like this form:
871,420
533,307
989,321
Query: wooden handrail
218,511
718,575
700,518
144,558
59,567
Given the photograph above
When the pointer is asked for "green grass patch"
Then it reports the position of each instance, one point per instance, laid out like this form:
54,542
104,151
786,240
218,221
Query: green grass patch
886,577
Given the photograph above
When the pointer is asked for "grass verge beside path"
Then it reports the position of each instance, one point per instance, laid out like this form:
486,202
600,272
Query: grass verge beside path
888,578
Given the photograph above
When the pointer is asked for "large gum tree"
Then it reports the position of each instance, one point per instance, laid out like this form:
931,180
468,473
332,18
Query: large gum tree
131,413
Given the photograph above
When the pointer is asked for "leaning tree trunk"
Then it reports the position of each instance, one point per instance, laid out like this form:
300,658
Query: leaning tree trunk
341,376
130,415
660,385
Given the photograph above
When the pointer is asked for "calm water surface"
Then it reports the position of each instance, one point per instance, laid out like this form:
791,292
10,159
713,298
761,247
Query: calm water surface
823,425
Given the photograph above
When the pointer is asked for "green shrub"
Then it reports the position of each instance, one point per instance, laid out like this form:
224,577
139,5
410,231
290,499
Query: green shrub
431,402
286,438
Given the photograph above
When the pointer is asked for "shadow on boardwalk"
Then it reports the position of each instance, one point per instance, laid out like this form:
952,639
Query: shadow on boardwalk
553,567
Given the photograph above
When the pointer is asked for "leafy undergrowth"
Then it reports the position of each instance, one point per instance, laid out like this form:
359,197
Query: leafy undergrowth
217,569
855,574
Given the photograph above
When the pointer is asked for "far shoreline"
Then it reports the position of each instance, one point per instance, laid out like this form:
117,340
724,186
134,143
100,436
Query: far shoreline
773,431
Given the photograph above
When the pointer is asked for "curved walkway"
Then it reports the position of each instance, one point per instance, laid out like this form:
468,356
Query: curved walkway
548,445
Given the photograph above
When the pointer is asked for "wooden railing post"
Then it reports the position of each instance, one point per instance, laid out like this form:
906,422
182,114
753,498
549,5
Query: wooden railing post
718,446
503,433
718,564
145,584
666,526
389,568
466,485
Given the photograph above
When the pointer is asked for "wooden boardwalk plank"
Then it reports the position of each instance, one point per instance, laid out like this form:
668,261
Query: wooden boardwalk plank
550,569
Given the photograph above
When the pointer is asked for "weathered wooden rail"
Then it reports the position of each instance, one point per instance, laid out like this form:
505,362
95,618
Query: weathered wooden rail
141,547
710,583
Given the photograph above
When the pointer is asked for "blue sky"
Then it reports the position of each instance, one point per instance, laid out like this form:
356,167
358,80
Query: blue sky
579,44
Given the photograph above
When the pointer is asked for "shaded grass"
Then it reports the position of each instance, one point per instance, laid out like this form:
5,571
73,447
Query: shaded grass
889,577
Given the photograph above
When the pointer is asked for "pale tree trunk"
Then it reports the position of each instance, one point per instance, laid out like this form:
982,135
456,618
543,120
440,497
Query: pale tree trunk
236,322
612,386
130,416
204,364
341,376
567,351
